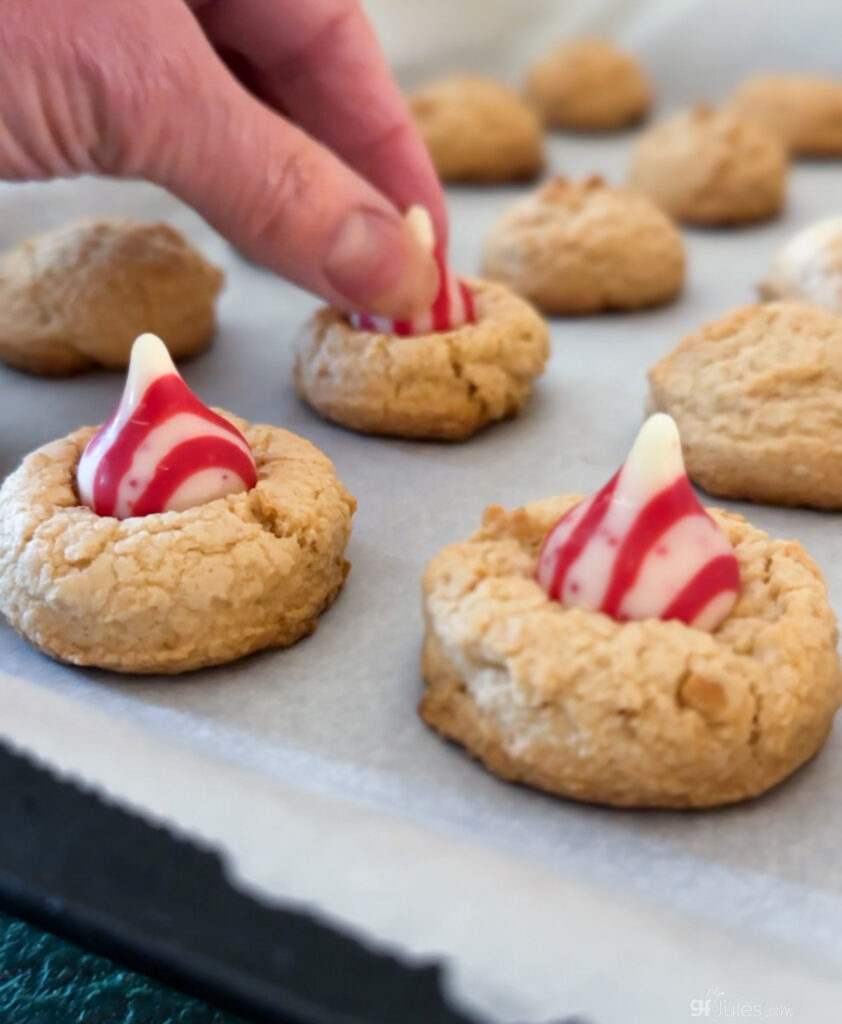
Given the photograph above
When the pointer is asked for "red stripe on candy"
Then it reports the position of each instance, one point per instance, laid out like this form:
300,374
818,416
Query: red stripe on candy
655,518
187,459
577,540
468,302
441,313
719,575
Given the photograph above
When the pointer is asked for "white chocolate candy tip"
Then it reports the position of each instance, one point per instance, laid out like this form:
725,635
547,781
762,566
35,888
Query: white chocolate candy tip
655,459
420,223
150,359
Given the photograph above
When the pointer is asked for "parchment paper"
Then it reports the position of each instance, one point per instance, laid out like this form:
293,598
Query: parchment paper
309,766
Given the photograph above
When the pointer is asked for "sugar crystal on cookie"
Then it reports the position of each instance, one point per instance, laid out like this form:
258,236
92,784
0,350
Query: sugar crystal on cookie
162,450
453,306
643,547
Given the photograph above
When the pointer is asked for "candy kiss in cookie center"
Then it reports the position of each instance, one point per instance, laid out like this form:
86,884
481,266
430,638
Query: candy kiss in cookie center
453,306
162,450
643,546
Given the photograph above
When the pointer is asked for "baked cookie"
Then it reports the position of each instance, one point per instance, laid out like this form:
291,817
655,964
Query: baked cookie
647,713
756,395
711,167
114,551
77,297
588,85
441,385
478,130
809,267
584,247
804,111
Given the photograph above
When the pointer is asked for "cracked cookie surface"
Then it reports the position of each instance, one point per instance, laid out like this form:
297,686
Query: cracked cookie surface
178,590
713,167
637,714
581,247
756,396
478,130
77,297
441,386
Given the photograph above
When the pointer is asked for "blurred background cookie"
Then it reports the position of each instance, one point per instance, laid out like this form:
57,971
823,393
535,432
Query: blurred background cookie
478,130
575,247
588,85
756,397
77,297
803,110
709,166
809,267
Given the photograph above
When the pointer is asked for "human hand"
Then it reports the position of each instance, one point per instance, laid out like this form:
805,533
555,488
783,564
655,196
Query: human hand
168,91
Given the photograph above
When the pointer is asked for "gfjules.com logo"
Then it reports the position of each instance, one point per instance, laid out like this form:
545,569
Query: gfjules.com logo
716,1006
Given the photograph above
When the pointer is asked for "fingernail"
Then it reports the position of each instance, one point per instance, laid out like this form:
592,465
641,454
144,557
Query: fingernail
377,266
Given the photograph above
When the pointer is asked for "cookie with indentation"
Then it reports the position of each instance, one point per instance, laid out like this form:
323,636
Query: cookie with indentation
809,267
711,167
77,297
804,111
650,713
173,591
582,247
588,85
756,396
478,130
444,385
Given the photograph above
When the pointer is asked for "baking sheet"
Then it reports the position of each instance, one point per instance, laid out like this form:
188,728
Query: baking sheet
321,742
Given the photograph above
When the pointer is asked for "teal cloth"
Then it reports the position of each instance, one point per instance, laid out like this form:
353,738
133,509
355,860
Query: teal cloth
45,980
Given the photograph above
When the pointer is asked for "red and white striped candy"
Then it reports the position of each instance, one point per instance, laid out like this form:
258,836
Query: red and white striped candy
643,547
454,304
162,450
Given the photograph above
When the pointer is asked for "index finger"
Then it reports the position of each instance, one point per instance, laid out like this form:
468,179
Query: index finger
320,62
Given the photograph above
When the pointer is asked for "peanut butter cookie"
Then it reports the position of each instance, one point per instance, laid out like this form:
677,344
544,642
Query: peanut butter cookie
444,385
650,713
757,396
804,111
478,130
711,167
575,248
173,591
77,297
588,85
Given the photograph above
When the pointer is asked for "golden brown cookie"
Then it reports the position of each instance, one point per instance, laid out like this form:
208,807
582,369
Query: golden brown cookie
757,396
588,85
809,267
804,111
584,247
651,713
711,167
176,590
442,386
78,297
478,130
